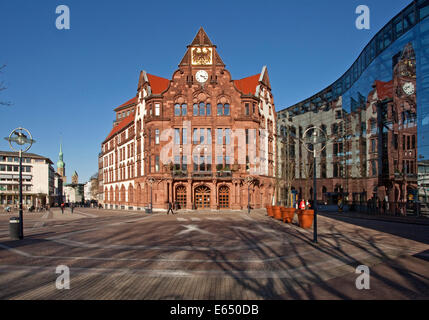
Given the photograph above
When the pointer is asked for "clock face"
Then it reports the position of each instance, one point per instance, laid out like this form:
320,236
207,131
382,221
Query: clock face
408,88
201,76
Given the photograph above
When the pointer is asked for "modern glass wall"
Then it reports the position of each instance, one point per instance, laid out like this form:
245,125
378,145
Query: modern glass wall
377,115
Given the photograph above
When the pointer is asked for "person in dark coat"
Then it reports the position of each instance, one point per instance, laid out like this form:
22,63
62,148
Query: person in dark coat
170,208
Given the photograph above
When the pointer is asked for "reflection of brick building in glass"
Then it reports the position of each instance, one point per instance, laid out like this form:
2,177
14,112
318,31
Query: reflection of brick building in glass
178,140
372,150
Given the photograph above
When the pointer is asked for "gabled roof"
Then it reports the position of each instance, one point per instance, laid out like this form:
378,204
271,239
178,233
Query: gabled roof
121,125
201,39
384,89
126,104
157,84
248,85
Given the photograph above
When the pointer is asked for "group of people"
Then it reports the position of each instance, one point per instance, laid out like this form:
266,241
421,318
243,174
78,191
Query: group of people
63,205
303,205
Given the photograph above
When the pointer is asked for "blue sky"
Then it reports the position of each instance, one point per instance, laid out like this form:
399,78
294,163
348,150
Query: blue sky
66,83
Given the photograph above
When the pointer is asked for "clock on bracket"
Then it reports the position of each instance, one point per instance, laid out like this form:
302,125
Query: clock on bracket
201,76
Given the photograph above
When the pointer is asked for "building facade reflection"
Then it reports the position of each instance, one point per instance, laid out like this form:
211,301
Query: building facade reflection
377,119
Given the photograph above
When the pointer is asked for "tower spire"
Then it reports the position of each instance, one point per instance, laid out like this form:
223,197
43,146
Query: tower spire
61,166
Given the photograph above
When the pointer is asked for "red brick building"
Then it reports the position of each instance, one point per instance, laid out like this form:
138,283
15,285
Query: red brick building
199,139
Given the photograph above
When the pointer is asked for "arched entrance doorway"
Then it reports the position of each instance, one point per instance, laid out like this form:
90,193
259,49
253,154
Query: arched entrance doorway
223,196
202,197
181,196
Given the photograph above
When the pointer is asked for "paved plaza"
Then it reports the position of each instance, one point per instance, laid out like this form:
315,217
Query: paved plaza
210,255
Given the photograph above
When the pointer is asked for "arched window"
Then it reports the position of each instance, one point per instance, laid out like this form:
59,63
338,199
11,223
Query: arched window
184,109
223,109
226,110
219,109
177,110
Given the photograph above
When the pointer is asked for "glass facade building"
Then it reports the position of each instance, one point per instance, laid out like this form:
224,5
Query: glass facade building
376,117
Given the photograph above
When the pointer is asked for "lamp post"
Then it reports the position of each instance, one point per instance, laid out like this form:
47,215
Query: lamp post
248,180
24,143
312,137
151,181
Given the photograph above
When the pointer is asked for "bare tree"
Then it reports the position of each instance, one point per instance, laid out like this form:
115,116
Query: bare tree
2,88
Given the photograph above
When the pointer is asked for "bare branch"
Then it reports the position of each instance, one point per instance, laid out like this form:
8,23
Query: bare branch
2,88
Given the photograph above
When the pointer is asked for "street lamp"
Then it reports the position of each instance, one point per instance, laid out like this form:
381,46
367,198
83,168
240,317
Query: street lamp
311,138
151,181
24,142
248,180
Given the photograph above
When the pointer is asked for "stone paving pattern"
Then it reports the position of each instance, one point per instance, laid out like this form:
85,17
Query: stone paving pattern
210,255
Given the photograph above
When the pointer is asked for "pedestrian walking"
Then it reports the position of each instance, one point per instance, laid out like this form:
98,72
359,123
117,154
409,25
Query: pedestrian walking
72,207
62,208
170,208
302,204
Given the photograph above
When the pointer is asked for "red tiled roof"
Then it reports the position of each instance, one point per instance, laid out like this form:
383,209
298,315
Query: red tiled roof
131,101
121,125
157,84
384,89
248,85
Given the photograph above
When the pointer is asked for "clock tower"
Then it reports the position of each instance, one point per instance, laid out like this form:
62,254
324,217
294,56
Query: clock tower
201,62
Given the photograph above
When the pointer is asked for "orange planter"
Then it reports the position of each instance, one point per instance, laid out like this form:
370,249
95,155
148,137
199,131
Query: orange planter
305,218
288,214
277,214
269,211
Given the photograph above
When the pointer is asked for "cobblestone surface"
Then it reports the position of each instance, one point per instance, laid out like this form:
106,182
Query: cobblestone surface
210,255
